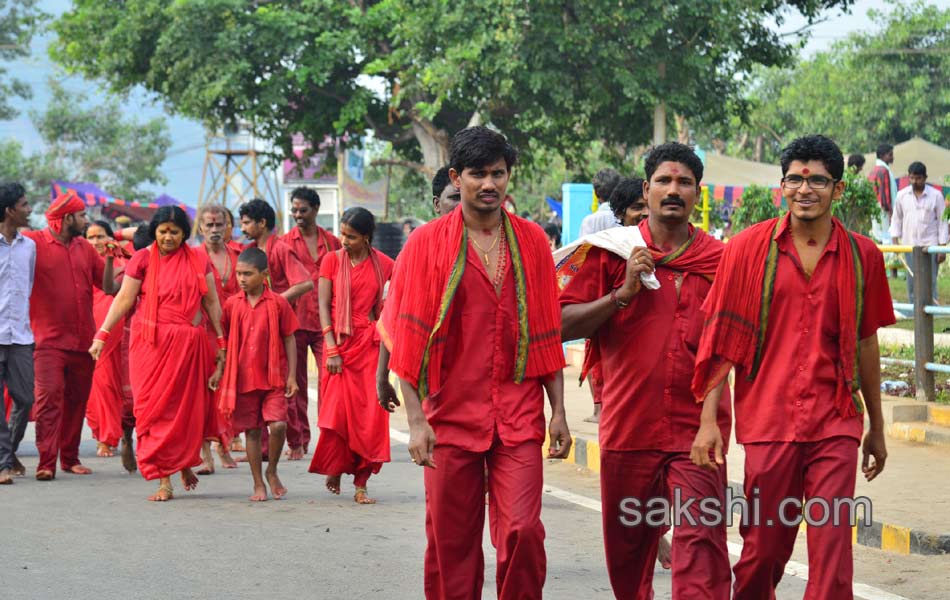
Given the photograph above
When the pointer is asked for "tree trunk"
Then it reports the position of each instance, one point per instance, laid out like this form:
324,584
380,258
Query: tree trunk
759,147
659,124
682,129
433,142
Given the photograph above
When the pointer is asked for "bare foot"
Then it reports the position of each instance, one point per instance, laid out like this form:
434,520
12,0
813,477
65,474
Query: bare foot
259,495
6,476
333,484
237,445
207,465
665,553
227,461
104,450
294,453
277,488
79,469
45,475
189,479
164,494
241,459
18,469
361,497
128,458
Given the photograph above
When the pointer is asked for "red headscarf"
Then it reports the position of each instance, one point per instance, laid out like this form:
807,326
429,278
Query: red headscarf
66,203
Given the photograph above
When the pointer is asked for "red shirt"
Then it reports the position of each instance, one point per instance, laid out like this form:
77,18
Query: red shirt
648,352
479,397
256,335
792,397
308,305
224,290
285,270
61,301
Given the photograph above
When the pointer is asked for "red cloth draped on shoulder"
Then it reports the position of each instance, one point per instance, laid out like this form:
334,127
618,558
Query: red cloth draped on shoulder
171,361
354,430
109,380
699,255
239,311
737,310
436,252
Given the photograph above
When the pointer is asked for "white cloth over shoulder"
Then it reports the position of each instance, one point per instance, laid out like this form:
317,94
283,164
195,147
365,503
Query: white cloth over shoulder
618,240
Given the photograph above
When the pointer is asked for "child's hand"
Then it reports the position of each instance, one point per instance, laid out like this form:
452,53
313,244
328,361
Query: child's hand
290,390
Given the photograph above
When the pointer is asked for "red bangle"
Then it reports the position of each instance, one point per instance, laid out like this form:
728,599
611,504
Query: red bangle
327,329
332,352
101,336
222,343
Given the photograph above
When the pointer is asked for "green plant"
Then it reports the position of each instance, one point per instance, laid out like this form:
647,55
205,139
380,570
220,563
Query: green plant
857,208
757,205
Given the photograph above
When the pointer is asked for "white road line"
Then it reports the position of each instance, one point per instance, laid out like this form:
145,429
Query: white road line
795,569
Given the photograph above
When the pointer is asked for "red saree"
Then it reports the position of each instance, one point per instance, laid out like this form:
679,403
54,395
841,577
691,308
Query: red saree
354,429
110,380
170,361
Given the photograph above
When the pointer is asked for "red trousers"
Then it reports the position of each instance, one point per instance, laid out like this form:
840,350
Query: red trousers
455,521
61,384
298,425
596,381
700,556
778,470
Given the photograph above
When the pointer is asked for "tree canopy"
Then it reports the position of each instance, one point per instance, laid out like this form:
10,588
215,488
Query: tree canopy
19,20
552,75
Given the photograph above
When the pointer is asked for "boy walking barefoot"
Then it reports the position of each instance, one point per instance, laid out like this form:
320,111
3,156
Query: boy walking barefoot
260,370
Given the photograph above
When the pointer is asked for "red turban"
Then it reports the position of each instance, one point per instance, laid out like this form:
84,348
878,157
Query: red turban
66,203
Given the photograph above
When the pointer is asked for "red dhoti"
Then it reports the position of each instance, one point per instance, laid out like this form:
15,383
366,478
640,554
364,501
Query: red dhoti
62,379
455,519
700,557
779,470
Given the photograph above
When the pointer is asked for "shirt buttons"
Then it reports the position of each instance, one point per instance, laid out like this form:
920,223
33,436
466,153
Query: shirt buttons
801,368
798,403
667,391
811,296
669,355
805,331
670,277
676,315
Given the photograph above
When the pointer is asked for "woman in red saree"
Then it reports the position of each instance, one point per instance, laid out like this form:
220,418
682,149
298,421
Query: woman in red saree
110,380
172,364
354,429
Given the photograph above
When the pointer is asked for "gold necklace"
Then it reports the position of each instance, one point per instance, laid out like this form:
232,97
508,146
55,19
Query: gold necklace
490,248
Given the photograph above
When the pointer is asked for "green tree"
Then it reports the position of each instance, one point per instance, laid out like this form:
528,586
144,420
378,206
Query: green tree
87,142
884,86
19,20
551,74
857,208
757,206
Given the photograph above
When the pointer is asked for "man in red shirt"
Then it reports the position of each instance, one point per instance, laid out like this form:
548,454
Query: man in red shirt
288,277
309,243
470,340
649,417
67,268
795,309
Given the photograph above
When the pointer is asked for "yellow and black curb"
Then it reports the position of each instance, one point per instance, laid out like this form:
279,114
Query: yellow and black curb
884,536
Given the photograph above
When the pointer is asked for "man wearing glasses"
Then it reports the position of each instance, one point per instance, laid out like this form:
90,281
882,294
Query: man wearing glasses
795,309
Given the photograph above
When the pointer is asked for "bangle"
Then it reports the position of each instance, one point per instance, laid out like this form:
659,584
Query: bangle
620,304
101,336
327,329
332,352
222,343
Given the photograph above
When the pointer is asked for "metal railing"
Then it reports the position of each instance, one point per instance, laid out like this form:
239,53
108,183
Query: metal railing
923,315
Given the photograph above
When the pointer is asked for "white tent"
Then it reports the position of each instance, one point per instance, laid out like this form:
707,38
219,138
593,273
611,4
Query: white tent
726,170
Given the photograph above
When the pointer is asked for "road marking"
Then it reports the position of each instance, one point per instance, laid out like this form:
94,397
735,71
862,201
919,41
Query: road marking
795,569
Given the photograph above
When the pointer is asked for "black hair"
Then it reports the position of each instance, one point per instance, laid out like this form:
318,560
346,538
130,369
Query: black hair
440,181
105,226
254,257
142,237
883,149
626,193
309,194
605,182
553,232
10,194
361,220
917,168
814,147
673,152
170,214
856,162
258,210
478,147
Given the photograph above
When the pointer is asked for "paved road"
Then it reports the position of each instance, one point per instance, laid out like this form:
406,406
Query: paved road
96,537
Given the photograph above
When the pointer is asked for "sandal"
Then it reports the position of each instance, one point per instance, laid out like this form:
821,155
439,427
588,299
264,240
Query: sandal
361,497
164,494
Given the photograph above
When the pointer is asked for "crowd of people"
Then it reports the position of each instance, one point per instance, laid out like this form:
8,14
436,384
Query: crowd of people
185,346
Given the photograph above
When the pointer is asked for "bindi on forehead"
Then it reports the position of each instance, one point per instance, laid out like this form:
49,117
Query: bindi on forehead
806,171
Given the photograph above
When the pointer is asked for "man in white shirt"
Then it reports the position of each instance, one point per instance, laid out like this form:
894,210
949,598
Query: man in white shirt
603,218
918,220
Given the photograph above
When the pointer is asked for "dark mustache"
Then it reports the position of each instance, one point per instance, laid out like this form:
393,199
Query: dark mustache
673,201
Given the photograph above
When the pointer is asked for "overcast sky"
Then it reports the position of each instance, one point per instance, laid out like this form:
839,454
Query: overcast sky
183,167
